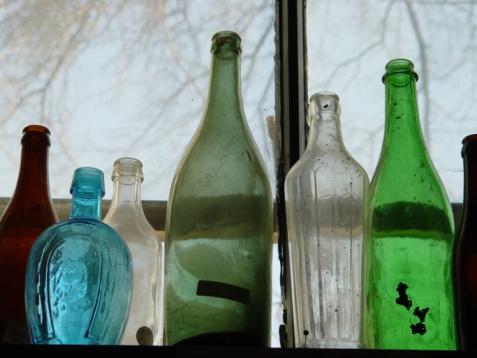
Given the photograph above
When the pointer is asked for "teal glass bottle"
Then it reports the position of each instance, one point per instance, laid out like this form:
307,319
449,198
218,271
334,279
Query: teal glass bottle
410,298
79,274
219,225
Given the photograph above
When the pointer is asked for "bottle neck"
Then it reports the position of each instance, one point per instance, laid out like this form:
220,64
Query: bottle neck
469,154
33,182
402,127
127,193
86,206
224,89
325,133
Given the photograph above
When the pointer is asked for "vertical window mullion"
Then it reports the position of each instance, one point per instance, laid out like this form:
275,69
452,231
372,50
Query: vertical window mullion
291,106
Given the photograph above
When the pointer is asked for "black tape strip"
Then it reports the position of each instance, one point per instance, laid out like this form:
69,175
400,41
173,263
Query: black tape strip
223,290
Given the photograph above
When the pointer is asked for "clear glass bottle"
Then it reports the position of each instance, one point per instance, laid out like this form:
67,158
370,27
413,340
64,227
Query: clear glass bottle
126,217
466,251
326,197
410,298
219,225
29,212
79,274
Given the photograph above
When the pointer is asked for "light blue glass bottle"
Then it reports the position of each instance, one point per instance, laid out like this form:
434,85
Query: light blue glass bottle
79,274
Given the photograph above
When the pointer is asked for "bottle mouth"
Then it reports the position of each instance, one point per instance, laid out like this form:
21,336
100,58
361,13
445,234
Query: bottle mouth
88,182
400,66
225,41
323,102
127,167
469,143
35,137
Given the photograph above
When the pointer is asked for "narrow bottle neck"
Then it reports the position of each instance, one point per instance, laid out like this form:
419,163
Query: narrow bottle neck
470,181
224,88
86,206
127,192
402,127
33,181
325,133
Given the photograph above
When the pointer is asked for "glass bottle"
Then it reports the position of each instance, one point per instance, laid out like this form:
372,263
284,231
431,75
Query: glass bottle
126,217
466,251
79,274
326,197
410,302
29,212
219,231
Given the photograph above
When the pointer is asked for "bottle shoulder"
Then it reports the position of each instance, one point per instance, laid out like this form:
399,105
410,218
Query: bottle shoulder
28,217
328,164
81,228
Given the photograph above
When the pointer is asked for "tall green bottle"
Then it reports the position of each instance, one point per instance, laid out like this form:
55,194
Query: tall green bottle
219,230
409,303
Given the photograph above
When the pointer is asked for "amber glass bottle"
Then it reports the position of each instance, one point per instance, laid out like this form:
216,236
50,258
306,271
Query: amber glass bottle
29,212
466,250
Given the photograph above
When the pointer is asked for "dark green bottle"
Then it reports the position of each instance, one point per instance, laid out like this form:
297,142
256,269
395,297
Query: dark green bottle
219,230
409,299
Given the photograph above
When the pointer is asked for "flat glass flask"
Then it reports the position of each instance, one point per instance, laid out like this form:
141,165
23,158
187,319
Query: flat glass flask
326,198
79,274
126,217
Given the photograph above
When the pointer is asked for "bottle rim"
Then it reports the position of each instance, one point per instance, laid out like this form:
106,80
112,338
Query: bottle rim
323,102
88,179
226,41
36,128
399,66
127,166
35,137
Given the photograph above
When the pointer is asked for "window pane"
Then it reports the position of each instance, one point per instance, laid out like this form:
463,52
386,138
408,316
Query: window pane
120,78
123,78
350,42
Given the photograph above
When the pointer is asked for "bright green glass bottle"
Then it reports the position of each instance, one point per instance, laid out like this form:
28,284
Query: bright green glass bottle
410,303
219,230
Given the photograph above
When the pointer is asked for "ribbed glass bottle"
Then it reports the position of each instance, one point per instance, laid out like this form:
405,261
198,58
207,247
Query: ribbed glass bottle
126,217
466,251
79,274
219,225
29,212
326,197
410,298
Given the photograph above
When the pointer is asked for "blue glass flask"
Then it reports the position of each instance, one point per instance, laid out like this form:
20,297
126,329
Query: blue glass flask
79,274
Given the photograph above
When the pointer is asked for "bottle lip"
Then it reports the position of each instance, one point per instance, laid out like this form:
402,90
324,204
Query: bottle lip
36,128
469,144
127,166
323,102
226,41
471,138
399,66
88,181
35,137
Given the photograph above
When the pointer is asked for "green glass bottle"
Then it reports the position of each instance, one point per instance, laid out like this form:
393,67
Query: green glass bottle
409,299
219,231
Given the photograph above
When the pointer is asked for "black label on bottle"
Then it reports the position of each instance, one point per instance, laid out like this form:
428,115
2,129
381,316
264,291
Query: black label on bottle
403,299
223,290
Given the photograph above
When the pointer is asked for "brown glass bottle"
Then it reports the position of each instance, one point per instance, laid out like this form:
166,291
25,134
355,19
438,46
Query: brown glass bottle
466,250
29,212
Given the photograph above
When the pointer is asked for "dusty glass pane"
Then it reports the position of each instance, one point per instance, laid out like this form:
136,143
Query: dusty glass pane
117,78
350,42
123,78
